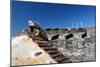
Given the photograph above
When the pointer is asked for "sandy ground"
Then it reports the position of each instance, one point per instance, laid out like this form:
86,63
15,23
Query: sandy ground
24,52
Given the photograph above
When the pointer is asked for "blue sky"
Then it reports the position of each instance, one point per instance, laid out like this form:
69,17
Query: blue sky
50,15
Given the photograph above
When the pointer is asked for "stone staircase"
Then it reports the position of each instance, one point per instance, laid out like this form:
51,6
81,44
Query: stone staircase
53,52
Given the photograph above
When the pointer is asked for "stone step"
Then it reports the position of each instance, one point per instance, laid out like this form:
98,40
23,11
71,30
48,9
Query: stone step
44,45
49,48
42,42
52,52
61,59
56,55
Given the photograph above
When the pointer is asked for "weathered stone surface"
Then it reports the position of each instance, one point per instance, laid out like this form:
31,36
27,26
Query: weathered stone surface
78,49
